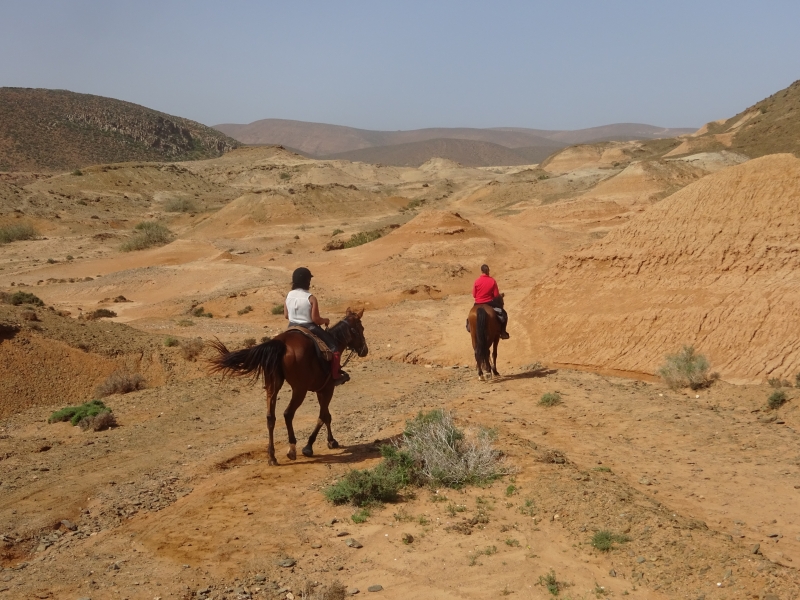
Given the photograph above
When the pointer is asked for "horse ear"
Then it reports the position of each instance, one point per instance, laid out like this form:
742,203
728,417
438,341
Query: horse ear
360,313
348,311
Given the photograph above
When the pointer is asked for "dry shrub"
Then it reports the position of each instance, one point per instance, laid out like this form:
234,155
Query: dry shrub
100,313
13,233
29,315
449,456
249,342
100,422
552,457
334,591
120,382
192,348
686,369
148,234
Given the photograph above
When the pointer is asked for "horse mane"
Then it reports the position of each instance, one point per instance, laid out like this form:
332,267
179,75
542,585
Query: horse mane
339,333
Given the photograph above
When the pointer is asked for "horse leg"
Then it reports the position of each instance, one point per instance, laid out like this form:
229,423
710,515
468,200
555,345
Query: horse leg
297,399
494,357
272,399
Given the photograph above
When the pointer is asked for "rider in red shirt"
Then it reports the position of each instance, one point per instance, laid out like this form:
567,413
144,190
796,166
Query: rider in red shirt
485,291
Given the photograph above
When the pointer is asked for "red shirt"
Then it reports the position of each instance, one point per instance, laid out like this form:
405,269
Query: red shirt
484,289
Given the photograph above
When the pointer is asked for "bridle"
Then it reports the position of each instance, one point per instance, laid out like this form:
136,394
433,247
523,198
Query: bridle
353,334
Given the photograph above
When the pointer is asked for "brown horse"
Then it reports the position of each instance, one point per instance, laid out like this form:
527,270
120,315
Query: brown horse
291,357
484,327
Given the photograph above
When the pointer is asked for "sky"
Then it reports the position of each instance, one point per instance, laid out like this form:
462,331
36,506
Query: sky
382,64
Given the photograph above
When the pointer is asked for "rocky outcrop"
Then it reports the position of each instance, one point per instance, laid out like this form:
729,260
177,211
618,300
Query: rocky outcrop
716,265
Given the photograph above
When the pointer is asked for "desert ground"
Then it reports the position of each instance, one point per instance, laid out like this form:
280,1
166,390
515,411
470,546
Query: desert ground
608,261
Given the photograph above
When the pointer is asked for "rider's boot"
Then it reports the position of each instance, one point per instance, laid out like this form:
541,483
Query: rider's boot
503,333
339,376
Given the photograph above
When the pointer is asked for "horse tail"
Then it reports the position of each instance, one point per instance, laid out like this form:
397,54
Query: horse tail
265,360
481,337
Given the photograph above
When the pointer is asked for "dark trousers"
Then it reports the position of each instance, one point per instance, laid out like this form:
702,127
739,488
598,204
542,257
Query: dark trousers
320,333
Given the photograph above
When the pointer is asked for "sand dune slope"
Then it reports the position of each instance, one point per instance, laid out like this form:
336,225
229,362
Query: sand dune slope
715,265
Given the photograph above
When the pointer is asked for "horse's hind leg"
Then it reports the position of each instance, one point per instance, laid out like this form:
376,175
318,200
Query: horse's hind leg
324,398
272,400
478,363
494,359
297,399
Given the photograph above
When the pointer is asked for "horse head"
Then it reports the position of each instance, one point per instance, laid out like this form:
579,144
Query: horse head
357,340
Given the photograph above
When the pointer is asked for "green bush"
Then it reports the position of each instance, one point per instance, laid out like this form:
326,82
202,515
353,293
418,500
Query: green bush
77,172
74,414
550,399
101,313
777,382
245,310
277,309
685,369
374,486
553,585
199,311
777,399
360,516
180,205
364,237
604,540
13,233
18,298
336,232
170,342
149,234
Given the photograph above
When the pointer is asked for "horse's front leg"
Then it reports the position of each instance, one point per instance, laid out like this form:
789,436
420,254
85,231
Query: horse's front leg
272,400
324,397
298,396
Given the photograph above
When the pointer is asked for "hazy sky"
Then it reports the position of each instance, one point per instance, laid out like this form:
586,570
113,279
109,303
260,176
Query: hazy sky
377,64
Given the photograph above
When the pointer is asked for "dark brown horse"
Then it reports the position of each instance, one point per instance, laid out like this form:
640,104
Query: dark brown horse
484,327
291,357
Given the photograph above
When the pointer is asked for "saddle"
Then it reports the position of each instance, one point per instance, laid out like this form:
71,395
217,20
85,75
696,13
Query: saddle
322,348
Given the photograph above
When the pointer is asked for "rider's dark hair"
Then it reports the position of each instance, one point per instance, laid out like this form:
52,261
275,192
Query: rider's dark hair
485,269
301,279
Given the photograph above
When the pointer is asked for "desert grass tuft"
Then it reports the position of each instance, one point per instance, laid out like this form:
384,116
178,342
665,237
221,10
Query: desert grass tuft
76,414
686,369
604,540
148,234
16,232
180,205
277,309
18,298
192,348
120,382
777,399
550,399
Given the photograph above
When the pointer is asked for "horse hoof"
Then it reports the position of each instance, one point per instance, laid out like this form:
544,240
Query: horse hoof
308,451
273,462
333,444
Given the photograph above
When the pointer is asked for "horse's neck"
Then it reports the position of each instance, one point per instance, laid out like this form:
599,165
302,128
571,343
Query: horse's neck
341,333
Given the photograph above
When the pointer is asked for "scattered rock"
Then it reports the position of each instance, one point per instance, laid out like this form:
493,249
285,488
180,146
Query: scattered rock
353,543
287,562
408,538
316,545
353,591
375,588
755,549
640,559
69,525
645,481
613,573
342,534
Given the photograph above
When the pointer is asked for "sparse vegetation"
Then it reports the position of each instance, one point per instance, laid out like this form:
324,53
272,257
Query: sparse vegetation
149,234
777,399
360,516
686,369
285,176
336,232
446,455
529,508
277,309
604,540
374,486
171,342
512,542
511,490
192,348
17,232
797,380
249,342
777,382
18,298
77,173
100,313
199,311
120,382
550,399
185,323
245,310
551,582
180,205
92,415
602,469
363,237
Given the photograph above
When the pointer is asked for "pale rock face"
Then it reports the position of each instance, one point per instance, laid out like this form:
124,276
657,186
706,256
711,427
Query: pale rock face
716,265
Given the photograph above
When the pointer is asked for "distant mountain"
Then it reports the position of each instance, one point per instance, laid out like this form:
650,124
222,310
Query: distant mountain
470,153
44,129
322,140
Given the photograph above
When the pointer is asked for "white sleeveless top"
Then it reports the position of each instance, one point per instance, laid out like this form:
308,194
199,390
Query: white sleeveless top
298,306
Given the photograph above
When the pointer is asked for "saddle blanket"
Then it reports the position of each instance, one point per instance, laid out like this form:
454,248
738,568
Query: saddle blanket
321,346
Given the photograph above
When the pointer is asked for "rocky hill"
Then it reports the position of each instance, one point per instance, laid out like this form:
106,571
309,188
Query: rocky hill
44,129
715,265
767,127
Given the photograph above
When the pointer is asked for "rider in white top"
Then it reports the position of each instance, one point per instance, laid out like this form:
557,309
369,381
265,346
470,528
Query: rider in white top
301,308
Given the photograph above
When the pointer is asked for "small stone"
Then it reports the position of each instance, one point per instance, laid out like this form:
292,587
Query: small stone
260,578
287,562
343,534
203,591
613,573
640,559
353,543
408,538
316,545
69,525
289,596
728,574
375,588
645,481
755,549
353,591
774,534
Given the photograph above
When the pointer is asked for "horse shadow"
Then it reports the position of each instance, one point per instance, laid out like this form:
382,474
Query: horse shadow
530,374
354,453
